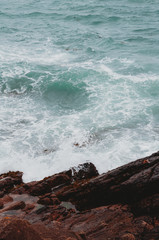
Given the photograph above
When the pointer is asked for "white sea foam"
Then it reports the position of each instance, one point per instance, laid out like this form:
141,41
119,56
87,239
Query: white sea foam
117,125
31,130
109,133
43,56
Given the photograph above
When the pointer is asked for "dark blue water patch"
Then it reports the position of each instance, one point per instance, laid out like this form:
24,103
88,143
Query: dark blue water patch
66,95
16,85
113,19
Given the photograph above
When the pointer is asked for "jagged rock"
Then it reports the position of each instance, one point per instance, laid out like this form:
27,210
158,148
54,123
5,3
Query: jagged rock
49,199
9,180
84,171
6,199
14,206
108,222
17,229
80,204
46,185
58,181
125,184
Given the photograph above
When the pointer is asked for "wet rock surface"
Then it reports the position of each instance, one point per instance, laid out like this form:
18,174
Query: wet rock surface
81,204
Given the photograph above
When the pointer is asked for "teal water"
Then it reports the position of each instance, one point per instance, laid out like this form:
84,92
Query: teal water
79,81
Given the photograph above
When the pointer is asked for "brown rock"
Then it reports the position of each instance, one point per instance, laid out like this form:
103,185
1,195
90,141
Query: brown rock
126,184
147,205
121,204
55,231
17,229
49,200
1,194
29,207
14,206
45,201
46,185
102,223
9,180
1,204
128,236
6,199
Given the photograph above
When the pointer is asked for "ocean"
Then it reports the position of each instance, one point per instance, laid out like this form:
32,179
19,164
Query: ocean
79,81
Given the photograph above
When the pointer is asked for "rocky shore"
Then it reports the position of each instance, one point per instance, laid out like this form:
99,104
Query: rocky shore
122,204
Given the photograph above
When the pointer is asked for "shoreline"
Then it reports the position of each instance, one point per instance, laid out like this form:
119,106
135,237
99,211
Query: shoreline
81,204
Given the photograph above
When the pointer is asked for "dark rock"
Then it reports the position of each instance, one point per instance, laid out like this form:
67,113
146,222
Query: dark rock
127,236
40,208
1,194
1,204
84,171
9,180
79,204
49,200
16,176
148,205
45,201
29,207
126,184
46,185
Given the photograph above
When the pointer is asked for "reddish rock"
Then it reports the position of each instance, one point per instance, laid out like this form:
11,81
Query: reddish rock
14,206
56,231
127,236
9,180
109,222
55,200
17,229
6,199
78,204
16,176
47,184
29,207
49,199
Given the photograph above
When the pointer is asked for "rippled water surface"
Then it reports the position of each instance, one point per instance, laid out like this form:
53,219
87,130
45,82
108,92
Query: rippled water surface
79,81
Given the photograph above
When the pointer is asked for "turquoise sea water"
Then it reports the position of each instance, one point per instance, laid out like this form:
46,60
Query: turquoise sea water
79,81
